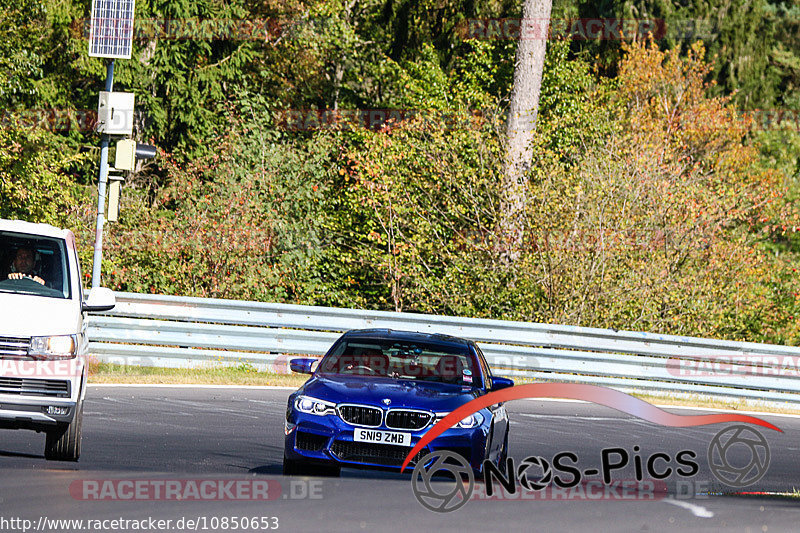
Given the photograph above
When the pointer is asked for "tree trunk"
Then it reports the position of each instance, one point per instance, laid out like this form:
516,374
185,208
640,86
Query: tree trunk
521,124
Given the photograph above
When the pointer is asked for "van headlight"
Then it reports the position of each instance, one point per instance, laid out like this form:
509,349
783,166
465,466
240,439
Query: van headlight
55,347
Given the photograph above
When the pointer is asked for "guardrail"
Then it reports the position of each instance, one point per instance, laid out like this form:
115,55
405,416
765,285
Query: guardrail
172,331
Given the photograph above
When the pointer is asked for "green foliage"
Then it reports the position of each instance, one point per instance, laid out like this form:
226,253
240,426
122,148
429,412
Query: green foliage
35,180
241,221
576,111
20,64
412,213
753,45
652,203
667,225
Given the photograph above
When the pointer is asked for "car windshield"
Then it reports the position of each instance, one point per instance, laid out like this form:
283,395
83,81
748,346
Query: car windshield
422,361
33,265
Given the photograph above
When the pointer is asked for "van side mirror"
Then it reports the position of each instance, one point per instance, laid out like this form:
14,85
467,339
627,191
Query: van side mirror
100,299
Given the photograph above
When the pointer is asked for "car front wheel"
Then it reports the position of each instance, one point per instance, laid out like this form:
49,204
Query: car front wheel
63,443
501,459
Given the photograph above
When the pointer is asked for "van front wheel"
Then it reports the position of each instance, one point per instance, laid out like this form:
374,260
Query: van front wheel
64,442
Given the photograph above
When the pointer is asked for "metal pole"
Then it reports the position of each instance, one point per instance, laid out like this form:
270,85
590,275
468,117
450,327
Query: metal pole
101,189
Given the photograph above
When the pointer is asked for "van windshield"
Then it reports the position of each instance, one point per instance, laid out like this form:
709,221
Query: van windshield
34,265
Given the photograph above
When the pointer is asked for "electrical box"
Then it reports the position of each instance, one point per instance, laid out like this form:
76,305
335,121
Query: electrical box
114,184
115,113
125,157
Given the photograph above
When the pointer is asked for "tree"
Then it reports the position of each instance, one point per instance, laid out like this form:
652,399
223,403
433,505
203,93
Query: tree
522,123
37,180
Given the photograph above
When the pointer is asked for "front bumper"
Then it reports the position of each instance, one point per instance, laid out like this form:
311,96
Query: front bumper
34,416
329,440
28,389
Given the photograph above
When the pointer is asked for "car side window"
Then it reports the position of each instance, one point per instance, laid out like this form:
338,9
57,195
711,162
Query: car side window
487,372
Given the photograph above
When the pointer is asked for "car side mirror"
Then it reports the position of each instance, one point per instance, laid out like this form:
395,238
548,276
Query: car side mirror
501,383
100,299
303,366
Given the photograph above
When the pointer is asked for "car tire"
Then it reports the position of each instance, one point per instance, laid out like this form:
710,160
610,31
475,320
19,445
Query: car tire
292,468
502,462
63,443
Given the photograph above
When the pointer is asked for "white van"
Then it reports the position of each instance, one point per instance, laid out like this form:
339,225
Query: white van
43,344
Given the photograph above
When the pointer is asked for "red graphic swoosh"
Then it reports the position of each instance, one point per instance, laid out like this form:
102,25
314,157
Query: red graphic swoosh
589,393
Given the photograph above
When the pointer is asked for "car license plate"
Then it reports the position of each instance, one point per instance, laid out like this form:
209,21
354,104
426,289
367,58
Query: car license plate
382,437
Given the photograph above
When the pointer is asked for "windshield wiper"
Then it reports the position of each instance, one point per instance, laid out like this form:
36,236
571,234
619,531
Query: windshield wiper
20,292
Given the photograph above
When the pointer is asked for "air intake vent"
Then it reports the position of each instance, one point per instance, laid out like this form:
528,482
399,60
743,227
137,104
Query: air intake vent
404,419
14,347
377,454
35,387
361,415
310,441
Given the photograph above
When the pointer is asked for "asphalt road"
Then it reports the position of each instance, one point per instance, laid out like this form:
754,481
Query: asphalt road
153,436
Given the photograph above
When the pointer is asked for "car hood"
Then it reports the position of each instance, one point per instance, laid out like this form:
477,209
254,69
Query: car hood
437,397
23,315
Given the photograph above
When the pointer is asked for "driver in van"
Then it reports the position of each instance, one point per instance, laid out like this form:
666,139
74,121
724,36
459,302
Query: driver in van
22,265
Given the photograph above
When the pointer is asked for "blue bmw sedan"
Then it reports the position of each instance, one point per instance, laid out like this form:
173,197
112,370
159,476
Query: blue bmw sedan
375,394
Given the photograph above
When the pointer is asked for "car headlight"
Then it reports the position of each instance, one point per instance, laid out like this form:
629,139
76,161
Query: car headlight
313,406
55,347
469,422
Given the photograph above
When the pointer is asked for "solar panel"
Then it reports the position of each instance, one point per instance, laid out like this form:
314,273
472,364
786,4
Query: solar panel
111,31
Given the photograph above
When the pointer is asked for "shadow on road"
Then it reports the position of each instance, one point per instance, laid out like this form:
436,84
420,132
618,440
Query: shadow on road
4,453
268,470
347,473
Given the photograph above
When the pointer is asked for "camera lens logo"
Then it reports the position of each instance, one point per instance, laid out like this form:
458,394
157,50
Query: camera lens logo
534,484
738,456
455,495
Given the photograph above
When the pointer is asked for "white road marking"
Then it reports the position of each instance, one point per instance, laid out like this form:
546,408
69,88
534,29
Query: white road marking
697,510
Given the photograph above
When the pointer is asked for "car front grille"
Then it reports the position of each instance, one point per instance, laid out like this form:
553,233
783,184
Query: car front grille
35,387
361,415
14,347
404,419
380,454
310,442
